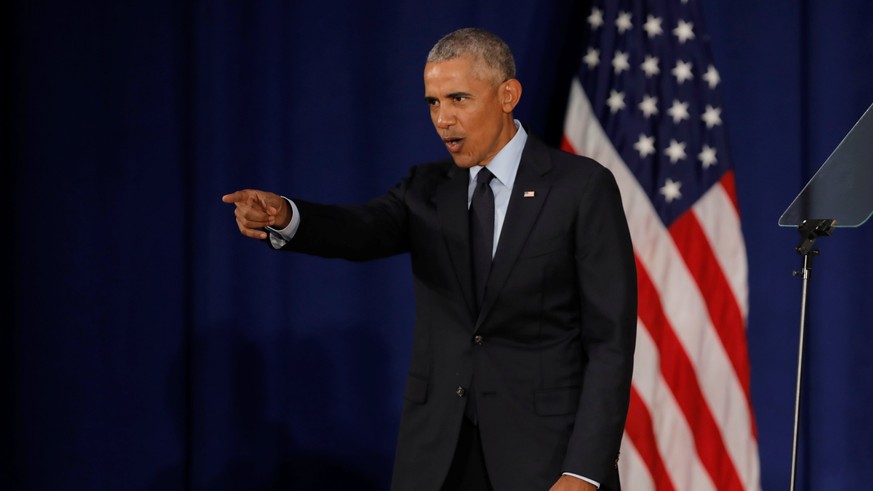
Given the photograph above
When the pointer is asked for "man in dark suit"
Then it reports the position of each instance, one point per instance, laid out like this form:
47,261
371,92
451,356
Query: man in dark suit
524,333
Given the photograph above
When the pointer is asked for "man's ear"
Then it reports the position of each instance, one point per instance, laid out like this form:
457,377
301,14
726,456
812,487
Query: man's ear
510,94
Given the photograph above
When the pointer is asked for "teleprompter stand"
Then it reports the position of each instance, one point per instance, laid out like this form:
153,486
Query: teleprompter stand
810,230
840,190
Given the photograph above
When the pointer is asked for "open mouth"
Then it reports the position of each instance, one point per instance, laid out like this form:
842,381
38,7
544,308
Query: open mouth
453,144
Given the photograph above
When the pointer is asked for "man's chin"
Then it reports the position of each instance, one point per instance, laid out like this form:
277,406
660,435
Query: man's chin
463,162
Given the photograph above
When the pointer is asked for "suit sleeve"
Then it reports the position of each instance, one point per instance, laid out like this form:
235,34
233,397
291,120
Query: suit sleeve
606,274
355,232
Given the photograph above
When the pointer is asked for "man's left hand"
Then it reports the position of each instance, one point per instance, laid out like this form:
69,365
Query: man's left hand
570,483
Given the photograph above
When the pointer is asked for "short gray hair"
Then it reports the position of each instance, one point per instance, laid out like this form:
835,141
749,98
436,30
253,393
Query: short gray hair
484,46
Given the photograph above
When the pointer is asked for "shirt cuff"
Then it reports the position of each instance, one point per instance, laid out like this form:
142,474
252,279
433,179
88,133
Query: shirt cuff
595,483
280,237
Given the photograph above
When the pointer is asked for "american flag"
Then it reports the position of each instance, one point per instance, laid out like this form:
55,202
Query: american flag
645,104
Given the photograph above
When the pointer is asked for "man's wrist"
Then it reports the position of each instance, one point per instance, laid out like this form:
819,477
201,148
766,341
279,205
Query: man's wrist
280,236
284,215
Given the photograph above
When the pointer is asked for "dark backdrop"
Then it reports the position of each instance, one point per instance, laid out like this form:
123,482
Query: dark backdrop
151,347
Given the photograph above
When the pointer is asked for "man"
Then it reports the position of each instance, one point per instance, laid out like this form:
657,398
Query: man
524,282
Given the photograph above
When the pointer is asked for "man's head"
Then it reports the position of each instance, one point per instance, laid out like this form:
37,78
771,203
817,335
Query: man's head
470,86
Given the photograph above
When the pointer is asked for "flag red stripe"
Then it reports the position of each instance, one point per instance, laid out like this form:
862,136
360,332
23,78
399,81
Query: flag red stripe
724,311
728,182
566,145
678,373
641,432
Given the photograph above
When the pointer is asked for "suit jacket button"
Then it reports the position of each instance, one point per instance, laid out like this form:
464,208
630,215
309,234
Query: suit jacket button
478,340
460,391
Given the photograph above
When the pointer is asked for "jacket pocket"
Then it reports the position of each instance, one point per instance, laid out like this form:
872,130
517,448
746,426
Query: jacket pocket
416,389
554,402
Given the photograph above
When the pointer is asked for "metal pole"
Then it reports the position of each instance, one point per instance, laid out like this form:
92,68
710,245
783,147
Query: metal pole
805,272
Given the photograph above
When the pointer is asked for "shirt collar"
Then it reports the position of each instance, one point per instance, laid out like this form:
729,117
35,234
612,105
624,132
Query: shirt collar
504,165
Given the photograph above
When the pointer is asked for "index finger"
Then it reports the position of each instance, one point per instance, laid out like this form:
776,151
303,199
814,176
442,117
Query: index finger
234,197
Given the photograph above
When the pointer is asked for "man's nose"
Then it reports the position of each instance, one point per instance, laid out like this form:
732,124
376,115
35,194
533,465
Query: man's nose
445,117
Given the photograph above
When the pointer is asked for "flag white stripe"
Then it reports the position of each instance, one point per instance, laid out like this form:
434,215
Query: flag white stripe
632,467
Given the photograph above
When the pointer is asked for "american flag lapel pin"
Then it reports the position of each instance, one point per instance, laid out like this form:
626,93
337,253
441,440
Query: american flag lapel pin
529,194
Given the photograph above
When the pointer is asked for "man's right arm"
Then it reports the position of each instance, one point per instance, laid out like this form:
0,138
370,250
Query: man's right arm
362,232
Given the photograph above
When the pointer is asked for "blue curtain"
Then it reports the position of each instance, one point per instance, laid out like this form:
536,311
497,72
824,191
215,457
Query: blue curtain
152,347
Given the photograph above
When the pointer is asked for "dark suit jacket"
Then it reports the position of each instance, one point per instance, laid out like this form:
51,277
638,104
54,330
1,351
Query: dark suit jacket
551,351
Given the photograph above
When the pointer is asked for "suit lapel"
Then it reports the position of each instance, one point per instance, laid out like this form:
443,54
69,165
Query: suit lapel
451,204
528,195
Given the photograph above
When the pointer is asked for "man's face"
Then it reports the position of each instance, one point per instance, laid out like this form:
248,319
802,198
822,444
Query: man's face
470,111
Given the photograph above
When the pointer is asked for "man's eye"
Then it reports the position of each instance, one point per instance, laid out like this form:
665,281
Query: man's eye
459,98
